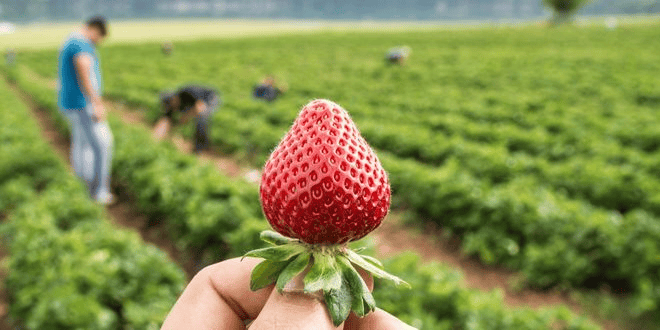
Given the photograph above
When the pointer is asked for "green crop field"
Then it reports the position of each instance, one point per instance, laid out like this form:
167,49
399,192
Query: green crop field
538,147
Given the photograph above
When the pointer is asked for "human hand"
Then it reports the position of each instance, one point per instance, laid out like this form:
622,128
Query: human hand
200,107
100,113
219,297
162,129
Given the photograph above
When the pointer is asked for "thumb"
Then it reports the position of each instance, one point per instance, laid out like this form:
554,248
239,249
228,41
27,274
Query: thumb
293,309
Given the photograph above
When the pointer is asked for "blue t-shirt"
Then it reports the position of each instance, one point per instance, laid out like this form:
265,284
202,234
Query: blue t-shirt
70,94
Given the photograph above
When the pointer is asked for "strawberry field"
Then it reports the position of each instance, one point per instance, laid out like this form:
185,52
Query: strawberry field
537,147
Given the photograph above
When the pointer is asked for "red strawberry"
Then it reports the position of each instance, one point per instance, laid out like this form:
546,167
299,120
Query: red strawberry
323,183
323,186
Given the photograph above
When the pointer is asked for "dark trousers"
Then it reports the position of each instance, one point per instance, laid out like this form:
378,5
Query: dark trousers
266,92
202,140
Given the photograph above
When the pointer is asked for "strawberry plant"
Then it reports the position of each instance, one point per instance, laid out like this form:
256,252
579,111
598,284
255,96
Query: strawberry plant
534,147
68,266
134,163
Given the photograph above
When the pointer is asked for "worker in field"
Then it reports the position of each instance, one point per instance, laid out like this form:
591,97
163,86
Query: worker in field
79,98
268,89
167,48
187,102
398,55
10,57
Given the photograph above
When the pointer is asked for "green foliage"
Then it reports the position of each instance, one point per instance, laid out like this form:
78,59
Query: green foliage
160,163
446,304
533,160
537,147
564,9
68,267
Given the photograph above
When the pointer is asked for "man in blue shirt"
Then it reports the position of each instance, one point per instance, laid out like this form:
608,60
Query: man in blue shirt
80,100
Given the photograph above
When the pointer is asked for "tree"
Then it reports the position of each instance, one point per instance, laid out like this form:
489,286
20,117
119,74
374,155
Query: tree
564,9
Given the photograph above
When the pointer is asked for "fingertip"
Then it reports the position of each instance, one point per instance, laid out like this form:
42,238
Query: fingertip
291,310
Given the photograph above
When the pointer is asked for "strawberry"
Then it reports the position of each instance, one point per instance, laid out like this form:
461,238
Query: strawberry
323,184
321,188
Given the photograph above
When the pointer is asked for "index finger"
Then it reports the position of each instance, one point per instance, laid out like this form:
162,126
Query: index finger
219,297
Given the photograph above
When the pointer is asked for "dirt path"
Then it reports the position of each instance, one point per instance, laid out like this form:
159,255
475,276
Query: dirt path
392,238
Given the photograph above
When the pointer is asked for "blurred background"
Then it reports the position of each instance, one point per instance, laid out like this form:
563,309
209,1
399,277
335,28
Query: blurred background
521,138
25,11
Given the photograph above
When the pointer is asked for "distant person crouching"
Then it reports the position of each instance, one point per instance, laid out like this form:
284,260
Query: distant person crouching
268,90
188,102
167,48
398,55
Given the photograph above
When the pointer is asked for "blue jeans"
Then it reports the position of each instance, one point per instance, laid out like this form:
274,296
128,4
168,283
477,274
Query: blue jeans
91,151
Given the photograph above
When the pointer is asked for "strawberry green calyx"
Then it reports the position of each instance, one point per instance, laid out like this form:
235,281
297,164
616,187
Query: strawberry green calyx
331,271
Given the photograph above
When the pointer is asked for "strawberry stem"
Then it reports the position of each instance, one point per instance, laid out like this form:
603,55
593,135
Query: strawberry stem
331,272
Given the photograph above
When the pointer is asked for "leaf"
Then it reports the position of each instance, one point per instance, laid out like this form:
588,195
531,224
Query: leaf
356,284
369,301
266,273
323,275
277,253
375,271
294,268
338,302
275,238
372,260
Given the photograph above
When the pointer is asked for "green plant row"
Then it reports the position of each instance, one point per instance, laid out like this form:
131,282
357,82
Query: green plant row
68,266
561,81
205,211
552,239
594,175
568,98
604,183
521,222
447,305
